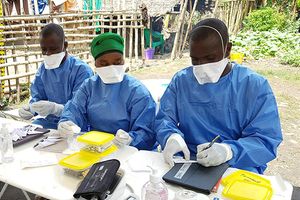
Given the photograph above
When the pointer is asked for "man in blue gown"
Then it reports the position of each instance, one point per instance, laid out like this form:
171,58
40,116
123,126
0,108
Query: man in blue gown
112,101
216,97
57,79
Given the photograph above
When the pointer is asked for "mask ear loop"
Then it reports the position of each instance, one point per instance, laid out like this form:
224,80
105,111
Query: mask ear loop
204,26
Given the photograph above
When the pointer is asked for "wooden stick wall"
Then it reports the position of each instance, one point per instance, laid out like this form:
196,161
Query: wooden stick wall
232,12
21,53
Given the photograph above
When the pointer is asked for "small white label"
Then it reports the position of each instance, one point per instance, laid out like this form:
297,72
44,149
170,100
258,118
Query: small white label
182,170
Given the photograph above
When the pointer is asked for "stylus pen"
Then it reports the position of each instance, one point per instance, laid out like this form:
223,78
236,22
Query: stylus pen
212,142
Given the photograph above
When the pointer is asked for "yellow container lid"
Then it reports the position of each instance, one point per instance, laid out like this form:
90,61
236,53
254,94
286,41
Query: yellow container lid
237,57
84,159
245,176
96,138
241,189
80,160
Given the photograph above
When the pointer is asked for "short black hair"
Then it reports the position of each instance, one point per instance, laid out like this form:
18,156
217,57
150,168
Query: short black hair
200,32
52,28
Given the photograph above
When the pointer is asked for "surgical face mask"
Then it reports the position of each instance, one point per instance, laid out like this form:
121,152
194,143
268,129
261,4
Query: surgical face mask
211,72
111,74
53,61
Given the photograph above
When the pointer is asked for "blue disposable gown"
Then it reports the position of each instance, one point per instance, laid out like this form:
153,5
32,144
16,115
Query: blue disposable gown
240,107
127,105
58,85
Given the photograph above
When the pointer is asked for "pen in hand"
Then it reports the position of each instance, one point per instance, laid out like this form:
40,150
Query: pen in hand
212,142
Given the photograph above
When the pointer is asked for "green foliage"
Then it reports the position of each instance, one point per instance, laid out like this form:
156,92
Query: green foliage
263,44
293,26
292,58
3,103
298,4
265,19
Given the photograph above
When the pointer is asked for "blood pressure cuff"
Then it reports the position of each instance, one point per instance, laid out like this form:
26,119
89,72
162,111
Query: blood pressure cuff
100,181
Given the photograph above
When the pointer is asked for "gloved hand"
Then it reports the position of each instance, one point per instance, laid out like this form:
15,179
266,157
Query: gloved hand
175,144
25,112
122,138
67,128
45,108
217,154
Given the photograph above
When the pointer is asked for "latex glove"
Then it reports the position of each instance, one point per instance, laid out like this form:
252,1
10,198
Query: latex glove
217,154
122,138
175,144
68,128
25,112
45,108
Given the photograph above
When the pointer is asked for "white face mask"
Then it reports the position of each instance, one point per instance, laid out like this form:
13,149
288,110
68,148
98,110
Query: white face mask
211,72
53,61
111,74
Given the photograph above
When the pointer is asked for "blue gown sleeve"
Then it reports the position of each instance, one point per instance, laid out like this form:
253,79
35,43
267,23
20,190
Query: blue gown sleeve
142,115
37,88
262,135
167,118
84,73
76,109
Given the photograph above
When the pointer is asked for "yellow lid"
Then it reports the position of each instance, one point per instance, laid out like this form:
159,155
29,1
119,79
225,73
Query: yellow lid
237,57
84,159
80,160
241,189
96,138
245,176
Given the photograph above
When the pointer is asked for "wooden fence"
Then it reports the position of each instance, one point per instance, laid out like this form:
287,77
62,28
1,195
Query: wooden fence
20,51
233,12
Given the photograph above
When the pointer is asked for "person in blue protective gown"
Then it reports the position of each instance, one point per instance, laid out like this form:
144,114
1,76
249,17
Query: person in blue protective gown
111,101
216,97
57,79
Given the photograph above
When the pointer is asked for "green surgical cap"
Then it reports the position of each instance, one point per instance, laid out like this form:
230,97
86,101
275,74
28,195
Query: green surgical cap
107,42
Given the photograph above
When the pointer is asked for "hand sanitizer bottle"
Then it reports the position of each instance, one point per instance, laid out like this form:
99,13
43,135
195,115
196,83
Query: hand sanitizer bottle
7,151
154,189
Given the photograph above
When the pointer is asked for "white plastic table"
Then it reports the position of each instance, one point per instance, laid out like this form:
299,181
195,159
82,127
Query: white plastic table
51,182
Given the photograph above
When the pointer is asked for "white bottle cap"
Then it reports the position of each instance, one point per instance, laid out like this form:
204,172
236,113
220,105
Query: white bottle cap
154,177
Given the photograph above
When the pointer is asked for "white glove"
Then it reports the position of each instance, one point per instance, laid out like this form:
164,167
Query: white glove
68,128
217,154
25,112
45,108
122,138
175,144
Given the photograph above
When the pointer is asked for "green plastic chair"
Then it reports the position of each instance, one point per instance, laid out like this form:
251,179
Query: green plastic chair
157,40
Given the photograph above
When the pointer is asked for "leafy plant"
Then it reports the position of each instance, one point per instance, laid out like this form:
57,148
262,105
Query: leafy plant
3,103
256,44
291,58
265,19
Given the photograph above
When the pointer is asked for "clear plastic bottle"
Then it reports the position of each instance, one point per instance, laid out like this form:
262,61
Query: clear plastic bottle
154,189
7,151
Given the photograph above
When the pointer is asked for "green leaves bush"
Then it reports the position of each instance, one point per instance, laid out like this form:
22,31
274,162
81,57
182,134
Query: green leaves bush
291,58
268,33
265,19
264,44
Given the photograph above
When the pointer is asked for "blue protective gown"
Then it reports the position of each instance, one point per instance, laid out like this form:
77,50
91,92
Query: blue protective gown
127,105
58,85
240,107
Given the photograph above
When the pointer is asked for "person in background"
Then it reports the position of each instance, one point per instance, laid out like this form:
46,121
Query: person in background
216,97
57,79
112,101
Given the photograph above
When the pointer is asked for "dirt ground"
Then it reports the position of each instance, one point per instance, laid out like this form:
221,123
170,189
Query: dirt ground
285,82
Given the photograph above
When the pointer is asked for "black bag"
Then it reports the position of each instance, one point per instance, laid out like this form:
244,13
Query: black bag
101,181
